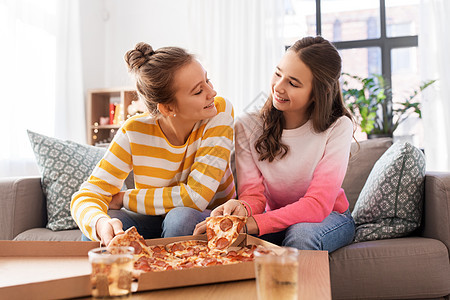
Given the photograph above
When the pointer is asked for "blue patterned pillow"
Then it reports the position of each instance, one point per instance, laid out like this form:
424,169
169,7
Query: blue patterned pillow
390,203
64,166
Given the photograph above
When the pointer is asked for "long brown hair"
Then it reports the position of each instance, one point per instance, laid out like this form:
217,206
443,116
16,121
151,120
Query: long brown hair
154,72
326,105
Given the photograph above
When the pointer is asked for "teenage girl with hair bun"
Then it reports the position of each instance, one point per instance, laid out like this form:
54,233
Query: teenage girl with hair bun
179,152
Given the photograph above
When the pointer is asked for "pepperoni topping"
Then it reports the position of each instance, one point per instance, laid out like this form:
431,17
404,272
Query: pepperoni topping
157,249
143,264
159,255
177,247
137,247
190,252
222,243
201,252
150,260
209,261
143,267
226,224
142,259
240,226
187,264
160,263
210,233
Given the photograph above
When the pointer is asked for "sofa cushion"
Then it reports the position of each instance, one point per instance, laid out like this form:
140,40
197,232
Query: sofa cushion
44,234
364,154
64,166
403,268
390,203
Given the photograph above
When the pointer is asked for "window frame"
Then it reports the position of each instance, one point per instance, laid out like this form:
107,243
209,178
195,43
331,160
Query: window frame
385,43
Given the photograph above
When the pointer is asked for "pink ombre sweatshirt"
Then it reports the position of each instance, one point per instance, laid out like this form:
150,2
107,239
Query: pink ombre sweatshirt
303,186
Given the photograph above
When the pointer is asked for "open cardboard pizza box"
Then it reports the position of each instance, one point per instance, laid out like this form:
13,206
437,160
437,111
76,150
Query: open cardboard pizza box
50,270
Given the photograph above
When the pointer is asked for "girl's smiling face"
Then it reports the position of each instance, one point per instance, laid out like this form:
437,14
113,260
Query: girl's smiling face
291,87
194,93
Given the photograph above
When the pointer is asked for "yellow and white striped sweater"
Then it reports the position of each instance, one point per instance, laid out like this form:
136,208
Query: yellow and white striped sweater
196,174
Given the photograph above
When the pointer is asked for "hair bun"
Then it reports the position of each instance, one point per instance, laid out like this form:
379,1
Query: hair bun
138,56
145,49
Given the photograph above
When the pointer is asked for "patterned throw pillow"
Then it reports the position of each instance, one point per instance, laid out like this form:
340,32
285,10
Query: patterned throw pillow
390,203
64,166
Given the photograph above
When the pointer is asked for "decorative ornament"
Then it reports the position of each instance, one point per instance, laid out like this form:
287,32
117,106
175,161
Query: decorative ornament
103,121
136,107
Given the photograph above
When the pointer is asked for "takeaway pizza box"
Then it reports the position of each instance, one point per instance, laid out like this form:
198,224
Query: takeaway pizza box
49,270
44,270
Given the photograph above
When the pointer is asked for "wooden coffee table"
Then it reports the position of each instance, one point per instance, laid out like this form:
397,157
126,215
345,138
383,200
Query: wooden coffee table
56,270
314,284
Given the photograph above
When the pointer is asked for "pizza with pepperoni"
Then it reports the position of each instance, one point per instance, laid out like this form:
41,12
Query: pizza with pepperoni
221,233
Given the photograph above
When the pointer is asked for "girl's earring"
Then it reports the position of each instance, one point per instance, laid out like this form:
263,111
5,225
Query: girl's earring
174,115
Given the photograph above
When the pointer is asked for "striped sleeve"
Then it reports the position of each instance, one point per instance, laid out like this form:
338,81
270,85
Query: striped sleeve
210,166
91,202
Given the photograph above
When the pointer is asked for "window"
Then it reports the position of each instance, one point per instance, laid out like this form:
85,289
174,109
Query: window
372,36
28,74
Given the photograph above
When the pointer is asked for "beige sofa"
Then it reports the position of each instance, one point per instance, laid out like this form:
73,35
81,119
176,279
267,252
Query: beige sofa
413,267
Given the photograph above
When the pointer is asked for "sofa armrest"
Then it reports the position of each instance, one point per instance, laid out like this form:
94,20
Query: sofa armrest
436,221
22,206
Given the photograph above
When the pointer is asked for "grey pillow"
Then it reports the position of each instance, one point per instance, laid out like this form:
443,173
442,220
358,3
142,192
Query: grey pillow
64,166
390,203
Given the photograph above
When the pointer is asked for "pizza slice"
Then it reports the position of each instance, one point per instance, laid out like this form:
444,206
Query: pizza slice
131,238
222,231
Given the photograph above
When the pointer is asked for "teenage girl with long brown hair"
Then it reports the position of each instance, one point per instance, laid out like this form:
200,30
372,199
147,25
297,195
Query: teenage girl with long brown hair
292,156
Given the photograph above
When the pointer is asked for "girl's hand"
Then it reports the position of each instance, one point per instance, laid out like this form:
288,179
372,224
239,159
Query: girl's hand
231,207
200,228
252,227
117,201
107,229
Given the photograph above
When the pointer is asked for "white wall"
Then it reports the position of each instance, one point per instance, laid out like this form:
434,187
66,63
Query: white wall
237,44
159,23
92,13
112,27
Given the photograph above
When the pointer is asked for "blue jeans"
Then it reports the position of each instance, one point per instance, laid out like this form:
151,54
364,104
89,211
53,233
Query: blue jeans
177,222
335,231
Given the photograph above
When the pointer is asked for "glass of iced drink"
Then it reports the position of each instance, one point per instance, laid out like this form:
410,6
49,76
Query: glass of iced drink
276,272
111,275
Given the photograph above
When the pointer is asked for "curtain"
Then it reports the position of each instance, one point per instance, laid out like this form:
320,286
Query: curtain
239,43
40,78
70,114
434,42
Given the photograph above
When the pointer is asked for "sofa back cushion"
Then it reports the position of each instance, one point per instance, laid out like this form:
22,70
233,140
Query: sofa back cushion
363,157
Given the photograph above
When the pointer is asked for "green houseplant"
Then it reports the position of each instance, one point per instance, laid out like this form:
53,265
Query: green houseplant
374,111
